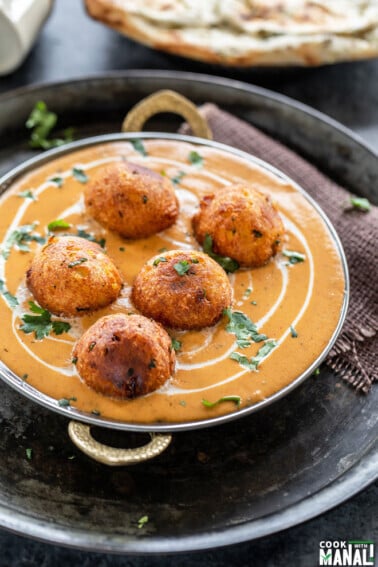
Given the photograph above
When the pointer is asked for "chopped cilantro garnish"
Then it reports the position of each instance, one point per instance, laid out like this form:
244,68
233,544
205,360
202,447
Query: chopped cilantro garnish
58,224
77,262
176,180
360,203
182,403
228,264
293,332
195,158
139,146
253,302
243,328
161,250
92,345
27,195
41,324
235,399
316,372
294,257
82,234
41,122
152,363
145,199
253,362
58,181
24,377
65,402
142,521
20,237
247,293
182,267
29,453
74,360
95,412
11,299
80,175
176,345
157,261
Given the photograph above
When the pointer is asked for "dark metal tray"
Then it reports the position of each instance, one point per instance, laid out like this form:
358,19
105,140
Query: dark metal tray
289,462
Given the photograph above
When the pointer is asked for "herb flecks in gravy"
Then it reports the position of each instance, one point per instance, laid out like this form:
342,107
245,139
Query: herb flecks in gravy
249,355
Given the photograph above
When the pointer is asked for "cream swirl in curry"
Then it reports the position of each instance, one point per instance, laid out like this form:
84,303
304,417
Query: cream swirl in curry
292,304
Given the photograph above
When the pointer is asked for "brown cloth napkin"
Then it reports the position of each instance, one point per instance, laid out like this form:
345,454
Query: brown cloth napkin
355,354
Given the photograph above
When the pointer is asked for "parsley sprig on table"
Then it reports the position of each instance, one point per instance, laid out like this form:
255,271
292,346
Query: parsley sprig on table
41,122
41,324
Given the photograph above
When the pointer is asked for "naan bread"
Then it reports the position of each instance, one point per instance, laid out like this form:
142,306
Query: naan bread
248,32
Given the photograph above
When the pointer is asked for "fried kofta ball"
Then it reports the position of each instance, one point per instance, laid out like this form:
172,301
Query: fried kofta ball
125,356
132,200
243,224
72,276
182,289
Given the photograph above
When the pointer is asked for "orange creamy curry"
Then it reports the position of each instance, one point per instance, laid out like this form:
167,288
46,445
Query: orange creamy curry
281,298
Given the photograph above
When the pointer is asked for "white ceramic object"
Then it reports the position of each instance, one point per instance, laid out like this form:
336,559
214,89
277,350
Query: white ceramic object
20,23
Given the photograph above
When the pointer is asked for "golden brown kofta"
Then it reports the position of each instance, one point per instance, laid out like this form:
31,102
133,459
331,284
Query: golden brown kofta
125,356
132,200
182,289
243,223
72,276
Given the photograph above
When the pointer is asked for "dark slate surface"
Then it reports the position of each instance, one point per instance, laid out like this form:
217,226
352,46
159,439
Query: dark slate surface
72,46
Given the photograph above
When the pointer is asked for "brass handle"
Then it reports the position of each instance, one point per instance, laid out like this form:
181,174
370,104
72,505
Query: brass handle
166,101
80,435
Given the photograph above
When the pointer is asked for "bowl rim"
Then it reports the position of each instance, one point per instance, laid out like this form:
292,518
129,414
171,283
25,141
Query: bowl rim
10,378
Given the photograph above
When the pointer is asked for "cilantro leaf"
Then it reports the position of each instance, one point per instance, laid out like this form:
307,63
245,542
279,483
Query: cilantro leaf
235,399
58,224
142,521
195,158
41,122
83,234
80,175
157,261
182,267
293,332
228,264
77,262
294,257
60,327
57,180
176,345
360,203
243,328
11,299
27,195
253,362
41,324
139,146
176,180
66,402
19,238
